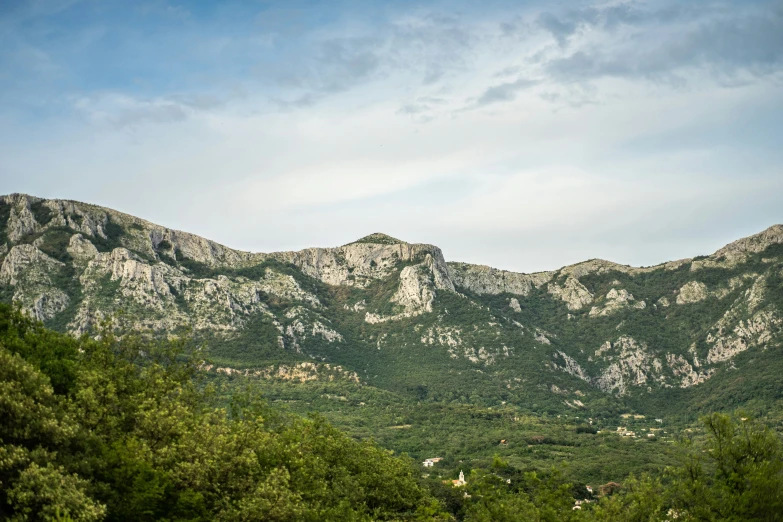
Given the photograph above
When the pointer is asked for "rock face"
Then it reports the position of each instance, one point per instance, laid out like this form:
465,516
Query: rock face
81,249
380,302
680,367
573,293
628,363
415,291
616,300
20,221
631,364
753,244
479,279
358,264
692,292
34,277
756,331
24,259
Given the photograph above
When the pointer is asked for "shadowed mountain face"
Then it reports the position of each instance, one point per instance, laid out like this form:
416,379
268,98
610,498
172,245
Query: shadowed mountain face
693,334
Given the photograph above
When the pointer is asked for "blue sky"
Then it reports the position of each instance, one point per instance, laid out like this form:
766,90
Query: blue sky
523,135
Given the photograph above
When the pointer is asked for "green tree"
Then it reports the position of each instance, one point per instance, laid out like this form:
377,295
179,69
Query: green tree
737,474
640,500
136,435
492,496
33,428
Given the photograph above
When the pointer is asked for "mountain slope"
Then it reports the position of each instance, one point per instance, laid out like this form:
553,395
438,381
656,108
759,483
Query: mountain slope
393,315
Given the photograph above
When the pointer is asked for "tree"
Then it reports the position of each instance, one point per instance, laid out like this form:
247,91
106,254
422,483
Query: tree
134,435
736,475
33,428
640,500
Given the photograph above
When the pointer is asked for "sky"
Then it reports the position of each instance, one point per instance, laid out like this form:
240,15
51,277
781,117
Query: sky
520,135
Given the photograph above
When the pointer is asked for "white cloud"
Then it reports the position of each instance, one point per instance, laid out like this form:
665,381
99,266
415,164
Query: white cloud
542,170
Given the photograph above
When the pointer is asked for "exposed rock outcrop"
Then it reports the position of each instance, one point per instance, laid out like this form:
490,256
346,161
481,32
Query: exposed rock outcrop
756,331
572,367
753,244
443,335
20,221
299,372
48,304
480,279
601,266
27,262
306,324
81,249
680,367
70,262
616,300
33,276
626,363
692,292
573,293
631,364
416,291
358,264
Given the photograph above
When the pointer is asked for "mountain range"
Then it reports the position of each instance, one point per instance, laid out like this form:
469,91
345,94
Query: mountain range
681,337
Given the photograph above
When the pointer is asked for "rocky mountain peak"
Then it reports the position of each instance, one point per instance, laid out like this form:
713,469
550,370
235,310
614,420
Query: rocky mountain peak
753,244
379,238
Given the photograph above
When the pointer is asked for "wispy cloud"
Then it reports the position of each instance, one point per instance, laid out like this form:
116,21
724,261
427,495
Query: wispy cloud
504,92
121,111
655,44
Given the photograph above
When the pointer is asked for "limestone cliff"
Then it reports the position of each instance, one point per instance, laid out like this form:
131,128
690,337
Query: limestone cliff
480,279
621,329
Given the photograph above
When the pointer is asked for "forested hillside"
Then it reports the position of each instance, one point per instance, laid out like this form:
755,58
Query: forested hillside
127,429
597,365
396,316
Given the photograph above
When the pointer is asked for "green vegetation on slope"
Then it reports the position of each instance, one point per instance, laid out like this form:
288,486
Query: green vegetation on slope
125,429
469,436
126,433
452,379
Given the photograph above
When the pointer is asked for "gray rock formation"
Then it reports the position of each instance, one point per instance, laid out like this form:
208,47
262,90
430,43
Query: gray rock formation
692,292
480,279
33,275
615,301
72,264
572,293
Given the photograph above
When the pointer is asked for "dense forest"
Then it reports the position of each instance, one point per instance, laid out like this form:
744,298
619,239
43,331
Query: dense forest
125,428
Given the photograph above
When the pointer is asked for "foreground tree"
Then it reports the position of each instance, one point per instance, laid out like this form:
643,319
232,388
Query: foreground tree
131,432
735,473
